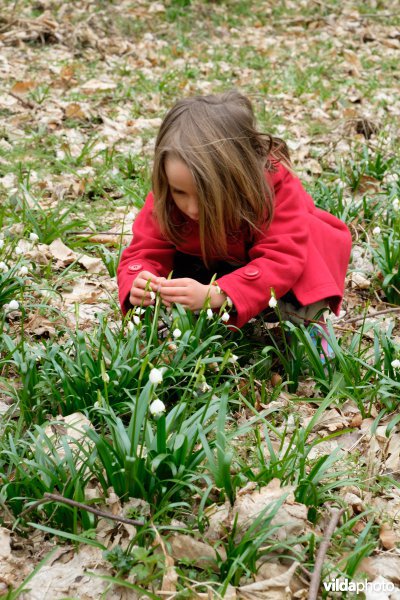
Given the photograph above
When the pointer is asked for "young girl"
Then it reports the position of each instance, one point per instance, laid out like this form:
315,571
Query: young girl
226,202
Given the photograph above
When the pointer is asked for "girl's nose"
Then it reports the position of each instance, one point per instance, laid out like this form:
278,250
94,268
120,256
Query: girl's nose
193,210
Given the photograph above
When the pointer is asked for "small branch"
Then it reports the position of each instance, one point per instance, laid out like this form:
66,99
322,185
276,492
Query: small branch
94,233
330,17
380,312
25,103
319,562
100,513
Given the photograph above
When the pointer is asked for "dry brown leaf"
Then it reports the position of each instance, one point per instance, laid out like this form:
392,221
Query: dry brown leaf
387,536
330,419
385,565
170,577
359,281
368,183
92,265
40,254
72,426
392,460
23,87
75,111
354,501
273,588
39,325
356,420
218,520
98,85
230,594
62,253
5,547
83,292
57,579
198,553
291,516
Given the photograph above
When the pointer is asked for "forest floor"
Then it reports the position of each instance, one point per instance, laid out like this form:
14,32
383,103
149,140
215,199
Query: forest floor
261,449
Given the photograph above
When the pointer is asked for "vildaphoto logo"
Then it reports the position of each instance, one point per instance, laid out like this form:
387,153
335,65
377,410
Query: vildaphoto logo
345,585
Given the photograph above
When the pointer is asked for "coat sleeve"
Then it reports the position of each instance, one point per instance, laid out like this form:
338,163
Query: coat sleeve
277,255
148,251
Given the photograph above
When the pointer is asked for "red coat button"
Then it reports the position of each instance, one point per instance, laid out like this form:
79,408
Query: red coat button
251,272
136,267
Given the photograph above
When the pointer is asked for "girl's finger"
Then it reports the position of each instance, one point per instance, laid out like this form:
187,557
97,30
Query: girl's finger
178,291
141,284
179,300
139,298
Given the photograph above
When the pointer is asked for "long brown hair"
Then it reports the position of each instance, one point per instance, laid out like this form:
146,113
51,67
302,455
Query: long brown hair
216,137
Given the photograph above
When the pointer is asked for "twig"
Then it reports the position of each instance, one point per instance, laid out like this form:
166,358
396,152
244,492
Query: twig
94,233
25,103
322,550
380,312
7,26
331,16
100,513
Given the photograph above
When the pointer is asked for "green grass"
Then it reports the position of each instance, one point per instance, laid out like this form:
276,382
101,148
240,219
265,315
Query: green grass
227,426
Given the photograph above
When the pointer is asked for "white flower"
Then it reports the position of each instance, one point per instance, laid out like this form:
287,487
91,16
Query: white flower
139,310
225,317
1,244
273,302
23,271
233,358
33,237
157,407
395,363
13,305
152,295
396,205
204,387
155,376
210,313
3,266
376,230
130,326
177,333
18,250
136,320
105,377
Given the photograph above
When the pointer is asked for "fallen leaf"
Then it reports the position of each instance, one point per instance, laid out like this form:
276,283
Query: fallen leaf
290,518
386,565
92,265
218,520
274,588
170,576
83,292
57,580
23,87
200,554
73,429
75,111
98,85
359,281
5,547
387,536
38,325
61,252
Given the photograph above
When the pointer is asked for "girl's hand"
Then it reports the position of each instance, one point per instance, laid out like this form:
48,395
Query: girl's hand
188,292
138,295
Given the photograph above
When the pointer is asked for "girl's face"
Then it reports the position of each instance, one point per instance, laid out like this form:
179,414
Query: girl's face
182,187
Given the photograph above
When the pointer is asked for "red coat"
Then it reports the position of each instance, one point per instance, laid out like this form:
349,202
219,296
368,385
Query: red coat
305,250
